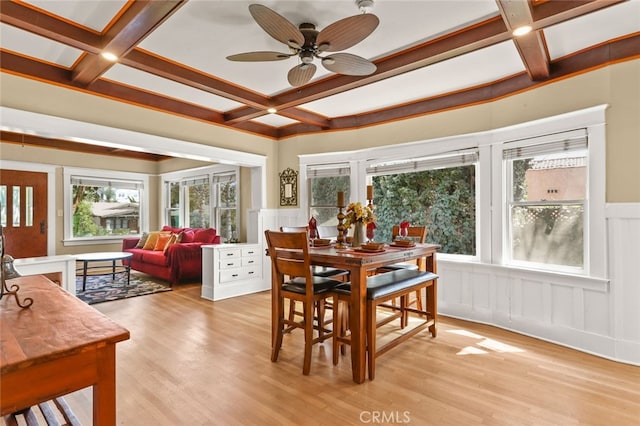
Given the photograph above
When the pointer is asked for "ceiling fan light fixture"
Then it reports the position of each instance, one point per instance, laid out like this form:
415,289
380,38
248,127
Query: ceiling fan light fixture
324,46
520,31
272,110
328,61
365,6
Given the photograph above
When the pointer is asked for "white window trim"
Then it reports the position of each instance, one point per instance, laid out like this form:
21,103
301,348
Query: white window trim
69,239
490,196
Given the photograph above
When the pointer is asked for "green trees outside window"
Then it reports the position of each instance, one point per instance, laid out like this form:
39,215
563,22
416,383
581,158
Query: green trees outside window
441,199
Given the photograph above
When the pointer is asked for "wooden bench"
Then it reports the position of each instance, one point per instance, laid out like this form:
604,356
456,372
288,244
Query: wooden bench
381,289
55,412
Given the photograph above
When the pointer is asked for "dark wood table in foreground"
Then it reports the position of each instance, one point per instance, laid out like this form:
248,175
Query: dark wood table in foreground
57,346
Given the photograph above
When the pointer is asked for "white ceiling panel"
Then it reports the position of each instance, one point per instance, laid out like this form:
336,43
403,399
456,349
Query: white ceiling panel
488,64
41,48
155,84
274,120
92,14
213,30
594,28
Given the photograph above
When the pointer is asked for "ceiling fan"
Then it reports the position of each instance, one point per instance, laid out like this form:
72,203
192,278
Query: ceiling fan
307,43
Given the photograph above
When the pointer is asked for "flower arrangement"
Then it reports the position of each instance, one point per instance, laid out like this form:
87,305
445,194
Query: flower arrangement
357,213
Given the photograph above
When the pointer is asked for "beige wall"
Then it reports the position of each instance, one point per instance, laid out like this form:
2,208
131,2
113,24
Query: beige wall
617,85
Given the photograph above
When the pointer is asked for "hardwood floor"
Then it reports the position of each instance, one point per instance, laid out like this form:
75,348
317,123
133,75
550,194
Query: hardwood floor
195,362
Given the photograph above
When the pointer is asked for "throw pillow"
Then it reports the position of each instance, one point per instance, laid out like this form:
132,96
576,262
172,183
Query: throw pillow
187,236
173,239
205,236
142,240
162,241
150,244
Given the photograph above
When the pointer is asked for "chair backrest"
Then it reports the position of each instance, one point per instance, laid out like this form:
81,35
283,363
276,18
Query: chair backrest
294,229
289,252
417,232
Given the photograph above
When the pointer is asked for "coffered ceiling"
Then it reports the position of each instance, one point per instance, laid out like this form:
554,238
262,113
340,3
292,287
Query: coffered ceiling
430,55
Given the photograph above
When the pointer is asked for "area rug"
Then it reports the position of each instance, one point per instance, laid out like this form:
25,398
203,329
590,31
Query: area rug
104,289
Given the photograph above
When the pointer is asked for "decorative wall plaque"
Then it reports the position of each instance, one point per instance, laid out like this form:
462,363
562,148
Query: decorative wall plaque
289,187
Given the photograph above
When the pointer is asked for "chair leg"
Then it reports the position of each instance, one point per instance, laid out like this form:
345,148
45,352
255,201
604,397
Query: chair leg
321,312
277,344
308,310
371,338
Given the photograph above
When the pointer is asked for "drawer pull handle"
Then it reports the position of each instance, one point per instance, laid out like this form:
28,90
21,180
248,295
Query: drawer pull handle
229,264
250,272
250,252
251,261
234,275
229,254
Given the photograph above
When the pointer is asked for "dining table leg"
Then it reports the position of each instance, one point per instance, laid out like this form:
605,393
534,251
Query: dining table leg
358,322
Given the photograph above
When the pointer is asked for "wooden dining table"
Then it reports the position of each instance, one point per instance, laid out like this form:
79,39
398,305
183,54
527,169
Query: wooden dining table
358,263
57,346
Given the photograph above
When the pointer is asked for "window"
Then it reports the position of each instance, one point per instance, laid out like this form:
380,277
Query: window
325,181
546,197
226,206
203,200
102,204
438,192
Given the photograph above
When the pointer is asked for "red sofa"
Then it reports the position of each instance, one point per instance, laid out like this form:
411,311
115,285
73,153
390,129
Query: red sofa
178,262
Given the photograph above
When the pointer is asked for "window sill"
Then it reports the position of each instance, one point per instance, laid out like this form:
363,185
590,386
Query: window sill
96,240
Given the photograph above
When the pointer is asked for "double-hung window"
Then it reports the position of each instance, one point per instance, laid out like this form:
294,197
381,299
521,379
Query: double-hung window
546,189
437,191
325,181
226,205
206,199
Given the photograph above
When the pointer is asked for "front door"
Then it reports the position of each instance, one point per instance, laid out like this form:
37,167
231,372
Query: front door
23,213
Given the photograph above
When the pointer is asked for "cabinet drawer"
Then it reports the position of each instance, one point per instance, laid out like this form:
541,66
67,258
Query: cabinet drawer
250,261
231,253
230,263
230,275
250,251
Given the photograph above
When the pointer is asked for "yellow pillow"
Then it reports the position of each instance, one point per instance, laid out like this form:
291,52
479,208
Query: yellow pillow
162,241
173,238
150,244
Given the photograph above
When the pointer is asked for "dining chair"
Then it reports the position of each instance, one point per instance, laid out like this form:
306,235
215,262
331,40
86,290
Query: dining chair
289,252
319,271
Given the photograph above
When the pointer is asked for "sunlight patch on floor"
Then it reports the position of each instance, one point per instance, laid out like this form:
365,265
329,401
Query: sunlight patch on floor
484,345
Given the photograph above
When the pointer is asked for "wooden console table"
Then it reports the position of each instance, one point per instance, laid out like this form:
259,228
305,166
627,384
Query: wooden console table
55,347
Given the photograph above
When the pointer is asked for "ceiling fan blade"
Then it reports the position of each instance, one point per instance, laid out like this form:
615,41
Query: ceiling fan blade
346,32
259,56
348,64
276,25
301,74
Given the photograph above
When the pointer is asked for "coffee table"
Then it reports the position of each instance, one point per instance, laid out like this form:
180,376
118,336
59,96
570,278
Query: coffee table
108,256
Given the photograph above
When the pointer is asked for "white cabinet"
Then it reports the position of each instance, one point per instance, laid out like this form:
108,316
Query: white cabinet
230,270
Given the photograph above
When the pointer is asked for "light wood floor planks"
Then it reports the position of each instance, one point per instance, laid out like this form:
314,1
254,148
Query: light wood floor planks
195,362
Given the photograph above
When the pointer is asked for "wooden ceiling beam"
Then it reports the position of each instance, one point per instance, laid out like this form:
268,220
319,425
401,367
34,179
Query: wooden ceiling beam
531,46
138,21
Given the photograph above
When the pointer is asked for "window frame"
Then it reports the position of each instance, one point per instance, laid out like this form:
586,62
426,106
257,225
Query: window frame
98,174
532,144
199,173
442,160
490,188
